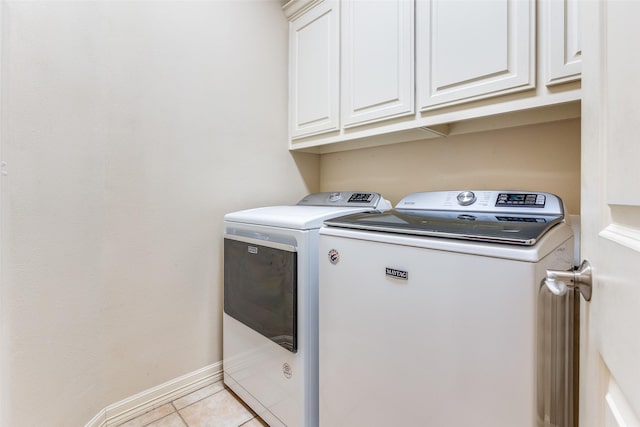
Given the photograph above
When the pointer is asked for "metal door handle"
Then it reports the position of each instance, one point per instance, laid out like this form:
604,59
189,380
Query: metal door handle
559,282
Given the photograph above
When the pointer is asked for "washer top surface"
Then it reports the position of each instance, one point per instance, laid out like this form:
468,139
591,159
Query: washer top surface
511,217
312,210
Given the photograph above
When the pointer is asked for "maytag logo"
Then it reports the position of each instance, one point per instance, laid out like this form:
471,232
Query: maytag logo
398,274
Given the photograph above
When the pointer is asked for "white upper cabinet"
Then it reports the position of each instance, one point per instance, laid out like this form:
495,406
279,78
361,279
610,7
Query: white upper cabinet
563,41
469,49
375,72
314,71
377,60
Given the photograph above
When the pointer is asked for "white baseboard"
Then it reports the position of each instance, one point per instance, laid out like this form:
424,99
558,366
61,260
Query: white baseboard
131,407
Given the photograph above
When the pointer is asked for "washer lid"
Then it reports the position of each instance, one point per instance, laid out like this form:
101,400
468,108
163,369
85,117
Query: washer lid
519,218
498,228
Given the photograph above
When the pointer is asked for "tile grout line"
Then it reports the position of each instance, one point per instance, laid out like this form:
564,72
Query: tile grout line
177,411
247,407
246,422
199,400
180,415
161,418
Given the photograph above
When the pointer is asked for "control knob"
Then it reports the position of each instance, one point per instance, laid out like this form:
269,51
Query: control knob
466,198
334,197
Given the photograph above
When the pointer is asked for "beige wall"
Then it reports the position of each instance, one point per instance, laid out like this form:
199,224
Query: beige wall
544,157
129,129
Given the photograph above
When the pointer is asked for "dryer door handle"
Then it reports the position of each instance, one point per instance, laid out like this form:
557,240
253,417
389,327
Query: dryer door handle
260,242
559,282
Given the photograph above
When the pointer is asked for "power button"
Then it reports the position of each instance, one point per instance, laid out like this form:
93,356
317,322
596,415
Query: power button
466,198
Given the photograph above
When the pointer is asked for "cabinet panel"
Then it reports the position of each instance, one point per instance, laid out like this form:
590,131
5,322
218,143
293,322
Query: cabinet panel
468,50
563,41
314,71
377,60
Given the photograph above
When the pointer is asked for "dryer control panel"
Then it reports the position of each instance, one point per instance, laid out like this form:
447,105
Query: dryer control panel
346,199
530,200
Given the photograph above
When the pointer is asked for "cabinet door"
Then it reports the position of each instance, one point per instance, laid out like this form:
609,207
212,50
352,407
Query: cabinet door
473,49
377,60
314,71
563,41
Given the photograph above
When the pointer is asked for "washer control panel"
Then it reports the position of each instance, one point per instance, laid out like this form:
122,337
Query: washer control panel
485,201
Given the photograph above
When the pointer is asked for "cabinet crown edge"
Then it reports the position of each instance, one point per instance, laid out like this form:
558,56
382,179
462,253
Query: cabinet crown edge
294,8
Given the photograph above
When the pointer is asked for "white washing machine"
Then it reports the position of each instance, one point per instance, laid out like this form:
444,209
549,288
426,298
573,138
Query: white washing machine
270,320
434,314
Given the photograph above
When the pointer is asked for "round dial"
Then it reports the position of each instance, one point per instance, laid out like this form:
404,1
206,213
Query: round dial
334,197
466,198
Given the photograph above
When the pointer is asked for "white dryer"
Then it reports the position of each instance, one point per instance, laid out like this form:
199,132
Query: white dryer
270,320
434,314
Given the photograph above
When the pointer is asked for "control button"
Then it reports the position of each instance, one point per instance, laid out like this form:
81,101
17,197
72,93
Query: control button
334,197
466,198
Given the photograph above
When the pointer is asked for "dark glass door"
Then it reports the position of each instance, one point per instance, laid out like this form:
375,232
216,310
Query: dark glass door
260,287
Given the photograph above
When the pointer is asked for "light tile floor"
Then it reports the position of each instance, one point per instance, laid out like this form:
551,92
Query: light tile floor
211,406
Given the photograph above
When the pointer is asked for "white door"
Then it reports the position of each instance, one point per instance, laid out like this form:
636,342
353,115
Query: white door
610,339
